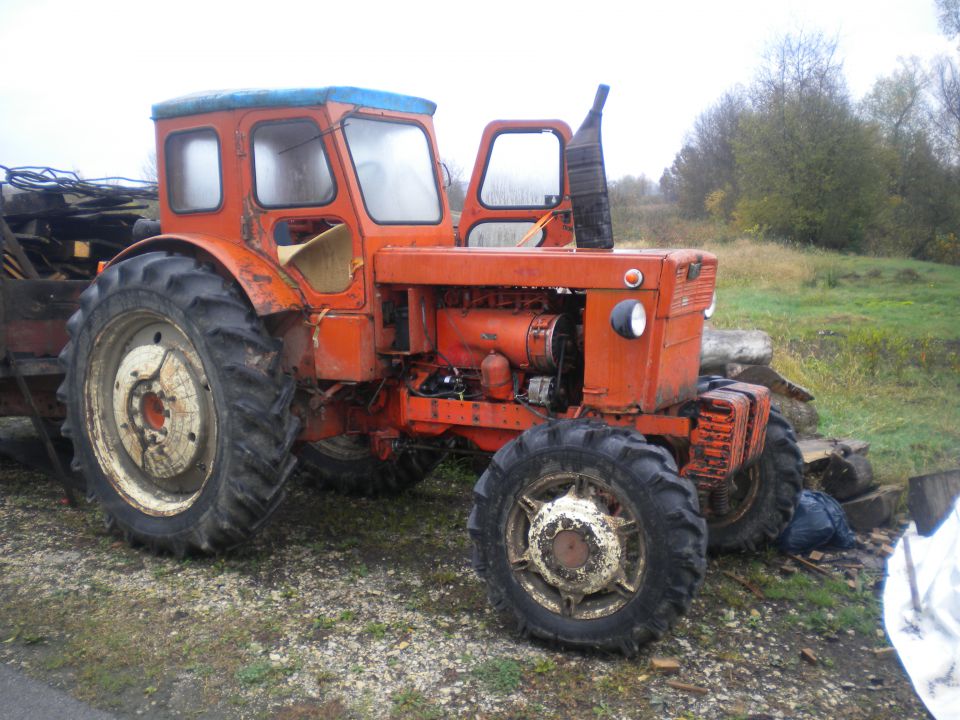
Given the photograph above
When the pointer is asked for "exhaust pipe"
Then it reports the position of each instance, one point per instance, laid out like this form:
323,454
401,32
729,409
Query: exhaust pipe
588,180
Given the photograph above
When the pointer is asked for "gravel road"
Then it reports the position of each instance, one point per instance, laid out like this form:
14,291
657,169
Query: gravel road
360,608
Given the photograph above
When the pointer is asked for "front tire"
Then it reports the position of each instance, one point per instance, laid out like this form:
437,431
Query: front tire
763,497
179,413
587,536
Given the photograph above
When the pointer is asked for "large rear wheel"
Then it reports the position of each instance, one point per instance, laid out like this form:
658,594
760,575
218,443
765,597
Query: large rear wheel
587,536
179,414
346,464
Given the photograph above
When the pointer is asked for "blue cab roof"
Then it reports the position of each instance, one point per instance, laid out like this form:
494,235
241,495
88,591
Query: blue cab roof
213,101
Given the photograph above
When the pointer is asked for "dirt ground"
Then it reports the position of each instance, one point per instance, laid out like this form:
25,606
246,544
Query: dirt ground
360,608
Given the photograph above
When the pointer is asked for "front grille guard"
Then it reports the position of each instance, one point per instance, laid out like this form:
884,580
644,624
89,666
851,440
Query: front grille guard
730,433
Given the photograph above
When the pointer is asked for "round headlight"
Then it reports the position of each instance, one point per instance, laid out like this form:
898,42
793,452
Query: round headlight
708,313
628,319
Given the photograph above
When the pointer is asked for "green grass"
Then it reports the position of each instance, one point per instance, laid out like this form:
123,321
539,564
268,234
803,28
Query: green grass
499,675
876,340
411,704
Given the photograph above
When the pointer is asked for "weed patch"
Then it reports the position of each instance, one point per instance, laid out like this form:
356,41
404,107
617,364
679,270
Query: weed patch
499,675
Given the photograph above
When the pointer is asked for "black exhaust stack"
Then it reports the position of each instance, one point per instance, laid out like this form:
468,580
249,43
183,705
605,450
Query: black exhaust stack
588,180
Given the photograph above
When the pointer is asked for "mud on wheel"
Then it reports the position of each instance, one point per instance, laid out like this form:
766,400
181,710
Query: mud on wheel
346,464
179,414
586,534
763,496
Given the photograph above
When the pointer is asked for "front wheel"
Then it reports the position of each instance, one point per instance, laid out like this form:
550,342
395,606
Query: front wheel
762,497
179,414
586,534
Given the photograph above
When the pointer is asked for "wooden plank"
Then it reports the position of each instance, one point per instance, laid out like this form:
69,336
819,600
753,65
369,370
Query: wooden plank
809,565
12,246
33,366
931,497
757,592
817,449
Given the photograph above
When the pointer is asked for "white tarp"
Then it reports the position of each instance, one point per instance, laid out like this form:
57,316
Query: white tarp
928,641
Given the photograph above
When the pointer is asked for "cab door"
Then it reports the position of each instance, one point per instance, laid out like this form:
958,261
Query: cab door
297,208
519,194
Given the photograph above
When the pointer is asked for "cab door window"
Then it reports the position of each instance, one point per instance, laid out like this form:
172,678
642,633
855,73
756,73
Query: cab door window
523,171
290,164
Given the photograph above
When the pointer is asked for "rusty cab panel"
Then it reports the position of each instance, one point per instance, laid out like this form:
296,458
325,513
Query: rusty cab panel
310,183
518,194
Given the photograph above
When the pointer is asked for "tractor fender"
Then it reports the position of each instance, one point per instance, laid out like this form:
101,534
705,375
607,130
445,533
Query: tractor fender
269,289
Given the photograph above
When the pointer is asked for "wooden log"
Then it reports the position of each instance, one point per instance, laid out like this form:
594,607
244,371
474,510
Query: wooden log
848,475
801,415
721,347
873,509
769,378
931,497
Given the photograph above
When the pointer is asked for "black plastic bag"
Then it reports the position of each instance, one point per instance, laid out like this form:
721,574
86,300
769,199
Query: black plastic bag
818,521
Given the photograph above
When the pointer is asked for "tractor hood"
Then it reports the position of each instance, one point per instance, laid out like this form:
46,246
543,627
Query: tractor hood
574,268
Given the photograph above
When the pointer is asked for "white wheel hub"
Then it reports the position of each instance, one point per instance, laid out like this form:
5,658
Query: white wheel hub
156,406
574,545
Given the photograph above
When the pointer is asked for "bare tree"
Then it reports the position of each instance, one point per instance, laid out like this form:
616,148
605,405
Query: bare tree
898,104
148,170
948,13
456,188
946,113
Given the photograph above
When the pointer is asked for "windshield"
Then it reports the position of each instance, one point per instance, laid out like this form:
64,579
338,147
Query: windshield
395,171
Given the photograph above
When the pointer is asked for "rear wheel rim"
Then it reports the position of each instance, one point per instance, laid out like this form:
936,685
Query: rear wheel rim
576,545
153,425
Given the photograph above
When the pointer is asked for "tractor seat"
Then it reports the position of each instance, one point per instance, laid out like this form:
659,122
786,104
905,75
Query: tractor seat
326,260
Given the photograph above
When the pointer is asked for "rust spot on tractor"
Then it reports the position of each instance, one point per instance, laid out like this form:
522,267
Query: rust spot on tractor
570,549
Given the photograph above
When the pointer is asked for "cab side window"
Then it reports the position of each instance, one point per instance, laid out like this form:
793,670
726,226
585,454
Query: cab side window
194,182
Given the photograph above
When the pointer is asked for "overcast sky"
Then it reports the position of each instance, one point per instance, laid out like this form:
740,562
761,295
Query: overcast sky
78,78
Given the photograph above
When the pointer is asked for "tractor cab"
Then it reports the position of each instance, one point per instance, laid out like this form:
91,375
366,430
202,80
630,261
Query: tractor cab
314,179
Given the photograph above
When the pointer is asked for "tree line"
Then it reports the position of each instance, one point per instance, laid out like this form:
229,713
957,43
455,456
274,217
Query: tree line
794,157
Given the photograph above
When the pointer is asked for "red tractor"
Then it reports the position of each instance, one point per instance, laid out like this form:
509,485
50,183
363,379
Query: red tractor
309,292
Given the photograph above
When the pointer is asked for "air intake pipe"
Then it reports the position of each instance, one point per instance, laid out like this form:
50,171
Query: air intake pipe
588,180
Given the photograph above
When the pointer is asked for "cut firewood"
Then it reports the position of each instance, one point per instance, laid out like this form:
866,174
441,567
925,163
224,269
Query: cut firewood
769,378
665,665
817,449
848,475
873,509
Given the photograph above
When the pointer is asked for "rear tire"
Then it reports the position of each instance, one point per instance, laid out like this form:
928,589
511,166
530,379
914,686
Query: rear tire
179,413
346,464
764,495
587,536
